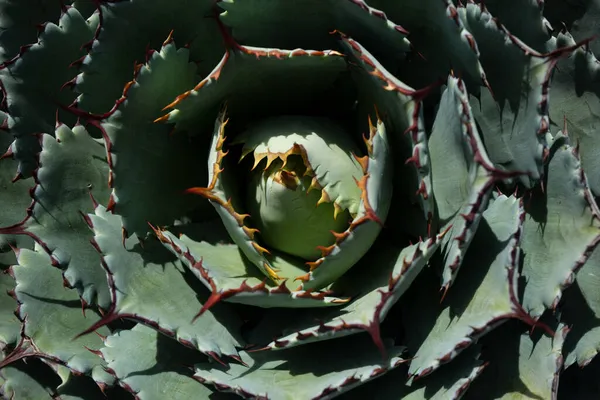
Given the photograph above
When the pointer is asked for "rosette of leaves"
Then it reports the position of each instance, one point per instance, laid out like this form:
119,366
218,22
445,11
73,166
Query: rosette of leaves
303,199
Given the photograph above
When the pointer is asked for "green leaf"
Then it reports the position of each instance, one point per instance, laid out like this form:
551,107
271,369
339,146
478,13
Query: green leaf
515,136
52,317
18,21
529,25
152,366
72,166
31,380
402,115
10,326
450,382
524,367
462,175
258,82
207,250
296,373
282,24
148,285
151,169
449,45
575,106
561,230
34,95
379,290
145,24
480,300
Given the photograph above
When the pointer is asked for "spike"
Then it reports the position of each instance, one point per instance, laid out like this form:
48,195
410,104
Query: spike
271,272
162,119
303,278
324,198
260,249
250,232
363,161
314,184
337,209
325,251
257,159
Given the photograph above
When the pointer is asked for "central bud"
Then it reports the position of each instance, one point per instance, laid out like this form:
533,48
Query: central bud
303,184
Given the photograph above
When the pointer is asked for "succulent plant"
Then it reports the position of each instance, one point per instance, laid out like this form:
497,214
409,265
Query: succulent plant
302,199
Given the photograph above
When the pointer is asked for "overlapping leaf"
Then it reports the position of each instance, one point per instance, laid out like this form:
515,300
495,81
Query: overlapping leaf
148,285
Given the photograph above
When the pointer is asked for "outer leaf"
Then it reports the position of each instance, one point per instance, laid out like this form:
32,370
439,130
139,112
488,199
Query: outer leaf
462,175
72,167
10,326
450,45
382,289
282,24
524,368
142,283
149,168
560,232
52,316
576,106
18,20
515,135
14,193
485,298
152,366
297,375
18,382
529,25
257,82
450,382
33,94
579,309
145,24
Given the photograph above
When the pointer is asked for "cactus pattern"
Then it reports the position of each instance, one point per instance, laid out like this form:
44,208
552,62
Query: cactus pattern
299,199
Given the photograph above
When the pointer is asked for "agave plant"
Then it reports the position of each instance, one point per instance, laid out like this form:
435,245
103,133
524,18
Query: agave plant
303,199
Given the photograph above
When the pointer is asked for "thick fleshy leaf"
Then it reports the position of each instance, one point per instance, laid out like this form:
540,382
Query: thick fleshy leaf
402,112
529,25
560,232
450,382
14,194
462,175
449,46
52,316
152,366
524,367
207,250
514,121
18,21
575,106
149,168
297,375
258,82
371,193
10,326
579,310
145,24
142,283
282,24
72,166
33,94
396,270
31,380
484,298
